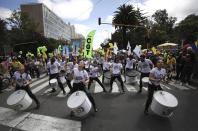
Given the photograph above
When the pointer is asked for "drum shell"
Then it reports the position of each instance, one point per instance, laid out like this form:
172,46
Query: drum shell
83,109
107,77
132,79
145,82
23,104
53,84
161,110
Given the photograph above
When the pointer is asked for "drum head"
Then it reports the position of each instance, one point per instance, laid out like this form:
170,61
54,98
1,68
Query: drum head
165,98
107,75
16,97
132,73
76,99
145,79
53,80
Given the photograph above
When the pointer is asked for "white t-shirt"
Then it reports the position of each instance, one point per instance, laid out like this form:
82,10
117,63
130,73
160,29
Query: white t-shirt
129,63
80,76
158,74
86,64
94,71
145,66
53,67
116,68
70,67
62,65
21,79
106,65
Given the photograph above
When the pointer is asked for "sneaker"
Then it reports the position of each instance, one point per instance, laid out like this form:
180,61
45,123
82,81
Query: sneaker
96,110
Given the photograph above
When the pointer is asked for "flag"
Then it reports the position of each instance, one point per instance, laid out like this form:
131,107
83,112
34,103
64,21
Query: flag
88,44
137,50
115,48
129,48
154,50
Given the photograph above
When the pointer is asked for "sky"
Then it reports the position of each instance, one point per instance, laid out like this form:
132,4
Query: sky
83,14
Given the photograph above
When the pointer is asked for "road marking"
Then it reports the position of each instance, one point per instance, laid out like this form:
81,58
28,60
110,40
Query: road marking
115,88
130,88
178,86
165,86
61,92
41,76
98,88
34,122
39,81
40,87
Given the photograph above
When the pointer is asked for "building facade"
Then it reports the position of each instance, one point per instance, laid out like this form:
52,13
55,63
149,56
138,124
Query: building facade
49,24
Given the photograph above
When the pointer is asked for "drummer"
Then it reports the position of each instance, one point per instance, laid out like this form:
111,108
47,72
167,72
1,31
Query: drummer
81,79
156,75
116,73
145,66
54,68
93,75
129,65
106,68
22,81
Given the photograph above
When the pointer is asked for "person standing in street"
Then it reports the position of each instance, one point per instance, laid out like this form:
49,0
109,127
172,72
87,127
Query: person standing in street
22,80
116,73
54,67
156,75
94,71
145,66
81,79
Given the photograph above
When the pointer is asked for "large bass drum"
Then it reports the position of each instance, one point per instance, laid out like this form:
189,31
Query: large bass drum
131,76
164,103
19,100
107,77
79,103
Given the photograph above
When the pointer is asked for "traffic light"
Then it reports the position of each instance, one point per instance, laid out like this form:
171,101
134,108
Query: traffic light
99,21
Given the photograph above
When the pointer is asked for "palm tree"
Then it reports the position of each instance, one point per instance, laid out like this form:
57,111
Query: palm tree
125,15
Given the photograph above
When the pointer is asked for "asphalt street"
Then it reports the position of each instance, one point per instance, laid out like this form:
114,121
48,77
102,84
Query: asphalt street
117,111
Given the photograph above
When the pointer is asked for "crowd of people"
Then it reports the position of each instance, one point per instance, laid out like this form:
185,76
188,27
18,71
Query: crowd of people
158,67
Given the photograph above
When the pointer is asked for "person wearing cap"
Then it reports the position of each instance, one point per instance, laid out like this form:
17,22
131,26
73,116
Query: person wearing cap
145,66
156,75
22,80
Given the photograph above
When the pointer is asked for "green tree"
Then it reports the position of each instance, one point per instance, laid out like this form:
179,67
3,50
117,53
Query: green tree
126,15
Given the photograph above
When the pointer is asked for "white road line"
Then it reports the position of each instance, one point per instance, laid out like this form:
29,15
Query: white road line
115,88
39,81
164,86
40,87
130,88
98,88
34,122
61,92
178,86
41,76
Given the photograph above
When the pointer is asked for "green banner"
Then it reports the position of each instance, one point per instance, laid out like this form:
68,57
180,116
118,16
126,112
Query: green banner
89,44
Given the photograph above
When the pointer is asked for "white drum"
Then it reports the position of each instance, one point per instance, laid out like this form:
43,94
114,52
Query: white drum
107,77
131,76
19,100
53,83
145,81
79,103
62,79
164,103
